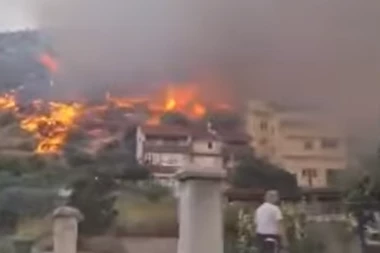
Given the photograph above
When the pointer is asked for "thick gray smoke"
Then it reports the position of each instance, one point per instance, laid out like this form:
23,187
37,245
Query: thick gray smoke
321,53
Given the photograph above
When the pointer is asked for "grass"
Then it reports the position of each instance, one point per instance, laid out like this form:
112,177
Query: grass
33,228
139,216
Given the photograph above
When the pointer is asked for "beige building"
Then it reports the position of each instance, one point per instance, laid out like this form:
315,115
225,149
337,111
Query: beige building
306,145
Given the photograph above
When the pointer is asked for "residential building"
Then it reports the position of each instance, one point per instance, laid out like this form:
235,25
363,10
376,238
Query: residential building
167,148
305,144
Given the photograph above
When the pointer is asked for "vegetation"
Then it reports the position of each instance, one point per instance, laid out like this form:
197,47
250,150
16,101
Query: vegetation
94,197
258,174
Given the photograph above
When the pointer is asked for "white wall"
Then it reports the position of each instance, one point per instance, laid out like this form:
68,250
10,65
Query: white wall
207,147
208,161
140,139
167,159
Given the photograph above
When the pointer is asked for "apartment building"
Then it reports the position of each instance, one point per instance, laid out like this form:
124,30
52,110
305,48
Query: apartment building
310,147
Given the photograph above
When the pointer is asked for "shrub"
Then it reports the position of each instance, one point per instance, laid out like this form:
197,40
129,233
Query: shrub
93,196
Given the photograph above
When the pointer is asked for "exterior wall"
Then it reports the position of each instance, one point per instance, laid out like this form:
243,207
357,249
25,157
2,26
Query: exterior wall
208,161
260,126
167,159
298,142
207,147
302,169
140,139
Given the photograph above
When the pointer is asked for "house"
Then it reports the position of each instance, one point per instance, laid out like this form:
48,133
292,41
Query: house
304,143
167,148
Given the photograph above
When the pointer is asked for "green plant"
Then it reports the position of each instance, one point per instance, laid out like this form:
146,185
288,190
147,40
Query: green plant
252,172
154,191
94,197
6,246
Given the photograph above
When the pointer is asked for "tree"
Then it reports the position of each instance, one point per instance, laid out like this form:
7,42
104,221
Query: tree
94,196
259,174
363,197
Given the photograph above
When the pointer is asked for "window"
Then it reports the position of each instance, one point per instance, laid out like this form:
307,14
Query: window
309,173
209,145
308,145
263,125
263,142
329,143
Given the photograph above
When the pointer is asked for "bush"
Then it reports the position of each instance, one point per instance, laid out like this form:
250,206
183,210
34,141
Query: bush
154,191
27,201
255,173
93,196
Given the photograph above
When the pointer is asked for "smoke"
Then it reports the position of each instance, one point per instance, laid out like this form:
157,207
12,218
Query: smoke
320,53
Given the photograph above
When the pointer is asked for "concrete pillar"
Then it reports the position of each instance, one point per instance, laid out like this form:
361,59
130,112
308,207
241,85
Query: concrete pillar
65,229
200,211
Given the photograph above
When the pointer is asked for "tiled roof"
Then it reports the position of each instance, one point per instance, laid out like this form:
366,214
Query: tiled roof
165,130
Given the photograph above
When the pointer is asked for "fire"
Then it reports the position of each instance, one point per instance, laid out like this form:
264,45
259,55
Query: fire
49,62
124,102
8,101
51,122
184,99
52,130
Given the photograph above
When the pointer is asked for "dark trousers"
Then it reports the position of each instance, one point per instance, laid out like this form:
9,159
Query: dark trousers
268,243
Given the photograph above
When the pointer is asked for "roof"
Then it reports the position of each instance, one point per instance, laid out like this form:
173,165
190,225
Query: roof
165,130
178,131
234,135
203,134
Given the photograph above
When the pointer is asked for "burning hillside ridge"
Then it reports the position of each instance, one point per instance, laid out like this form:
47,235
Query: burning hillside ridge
51,122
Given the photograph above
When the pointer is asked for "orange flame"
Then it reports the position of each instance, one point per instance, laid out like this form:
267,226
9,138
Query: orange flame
51,127
8,101
184,99
52,130
49,62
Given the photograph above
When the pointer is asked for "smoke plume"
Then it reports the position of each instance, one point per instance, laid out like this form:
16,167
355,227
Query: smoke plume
318,53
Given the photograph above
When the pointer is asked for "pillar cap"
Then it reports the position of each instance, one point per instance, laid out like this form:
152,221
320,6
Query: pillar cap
201,174
67,212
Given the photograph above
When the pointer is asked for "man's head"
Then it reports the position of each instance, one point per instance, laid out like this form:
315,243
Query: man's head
272,197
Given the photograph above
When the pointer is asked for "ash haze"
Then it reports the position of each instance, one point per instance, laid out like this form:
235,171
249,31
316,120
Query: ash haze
16,15
322,53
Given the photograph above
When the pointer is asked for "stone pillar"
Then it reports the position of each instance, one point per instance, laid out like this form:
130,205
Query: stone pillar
200,211
65,229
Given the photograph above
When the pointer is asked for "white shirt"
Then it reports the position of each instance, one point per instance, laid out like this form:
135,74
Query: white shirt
267,218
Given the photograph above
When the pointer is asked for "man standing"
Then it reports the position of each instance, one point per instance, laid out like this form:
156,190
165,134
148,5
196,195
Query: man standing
270,231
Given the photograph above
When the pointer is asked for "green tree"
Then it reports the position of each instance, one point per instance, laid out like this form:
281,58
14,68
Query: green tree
259,174
94,196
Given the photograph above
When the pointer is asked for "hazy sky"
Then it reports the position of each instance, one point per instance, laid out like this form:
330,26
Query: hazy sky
16,14
324,53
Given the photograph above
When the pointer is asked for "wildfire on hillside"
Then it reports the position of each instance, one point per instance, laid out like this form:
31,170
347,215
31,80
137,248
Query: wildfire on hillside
51,121
49,62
